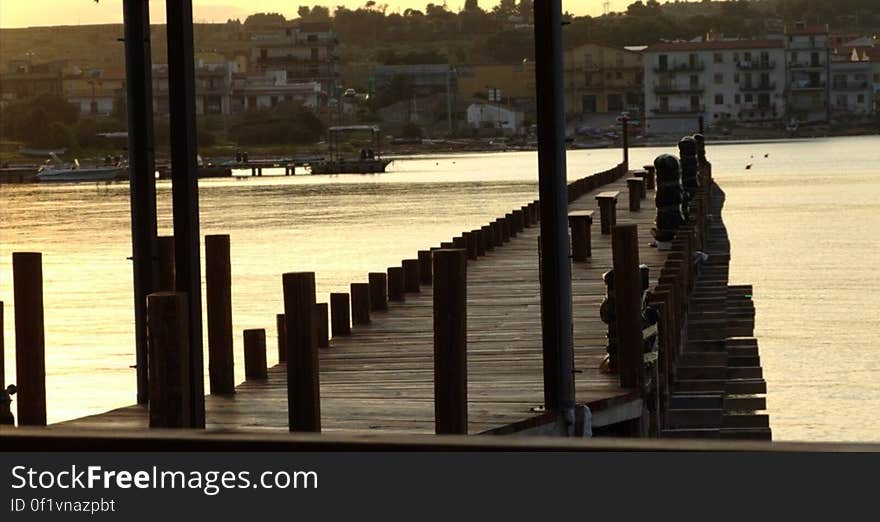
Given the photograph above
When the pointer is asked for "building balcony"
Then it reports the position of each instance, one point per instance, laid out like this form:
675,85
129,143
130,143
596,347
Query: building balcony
807,86
851,86
758,87
756,66
678,111
806,65
696,66
677,89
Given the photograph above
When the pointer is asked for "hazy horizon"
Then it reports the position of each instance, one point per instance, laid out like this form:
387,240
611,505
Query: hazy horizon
32,13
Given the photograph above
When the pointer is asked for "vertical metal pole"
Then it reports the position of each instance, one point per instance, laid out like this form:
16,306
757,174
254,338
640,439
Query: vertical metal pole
701,124
625,124
139,88
185,187
555,271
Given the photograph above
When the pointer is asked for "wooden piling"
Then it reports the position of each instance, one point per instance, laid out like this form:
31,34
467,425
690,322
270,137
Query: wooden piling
321,324
481,241
165,265
411,275
425,267
608,210
378,291
635,187
6,417
627,299
396,284
303,388
471,244
650,172
450,342
580,223
281,328
510,223
30,344
504,224
497,233
218,291
169,356
360,303
340,318
255,354
488,237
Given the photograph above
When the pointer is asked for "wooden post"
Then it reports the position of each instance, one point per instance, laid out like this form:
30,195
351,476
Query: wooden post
6,416
607,210
321,324
450,342
218,290
510,221
411,275
360,303
506,234
470,244
580,223
30,344
481,241
169,352
281,328
628,304
255,354
488,237
303,388
340,320
634,185
497,233
378,291
650,171
165,281
425,267
395,284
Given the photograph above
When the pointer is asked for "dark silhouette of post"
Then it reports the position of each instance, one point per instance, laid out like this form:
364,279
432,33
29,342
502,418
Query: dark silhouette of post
360,303
165,268
281,329
185,187
6,416
170,386
142,168
30,343
340,318
218,290
396,284
411,275
450,342
628,304
322,324
425,267
378,291
624,124
303,389
255,354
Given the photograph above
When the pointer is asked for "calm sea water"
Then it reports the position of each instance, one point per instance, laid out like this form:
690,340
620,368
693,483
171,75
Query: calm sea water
802,222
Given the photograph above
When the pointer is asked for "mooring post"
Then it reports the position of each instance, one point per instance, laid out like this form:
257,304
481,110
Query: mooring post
165,268
255,354
185,187
624,124
635,187
360,303
170,385
142,169
281,329
506,232
580,223
340,318
425,267
395,284
411,275
481,241
627,304
650,172
218,290
378,291
322,321
607,211
450,342
303,389
30,345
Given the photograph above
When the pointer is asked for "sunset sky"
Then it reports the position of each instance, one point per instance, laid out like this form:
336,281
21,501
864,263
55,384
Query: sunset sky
23,13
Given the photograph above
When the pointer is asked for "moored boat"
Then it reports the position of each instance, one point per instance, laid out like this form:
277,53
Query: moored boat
58,172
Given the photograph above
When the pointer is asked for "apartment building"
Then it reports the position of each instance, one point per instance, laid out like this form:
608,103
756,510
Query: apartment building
24,79
852,87
737,81
306,52
97,92
808,67
601,79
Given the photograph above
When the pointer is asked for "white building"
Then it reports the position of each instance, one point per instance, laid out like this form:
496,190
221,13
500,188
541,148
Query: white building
268,90
722,81
482,115
852,86
808,67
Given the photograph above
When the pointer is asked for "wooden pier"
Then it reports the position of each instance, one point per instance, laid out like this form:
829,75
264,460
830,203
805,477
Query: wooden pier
380,378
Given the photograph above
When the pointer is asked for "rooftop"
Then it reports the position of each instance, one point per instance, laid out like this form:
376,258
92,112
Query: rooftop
715,45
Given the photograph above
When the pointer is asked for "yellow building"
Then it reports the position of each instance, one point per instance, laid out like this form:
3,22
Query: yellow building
602,79
509,82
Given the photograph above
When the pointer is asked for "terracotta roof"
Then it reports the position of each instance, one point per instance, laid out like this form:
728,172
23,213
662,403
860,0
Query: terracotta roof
717,45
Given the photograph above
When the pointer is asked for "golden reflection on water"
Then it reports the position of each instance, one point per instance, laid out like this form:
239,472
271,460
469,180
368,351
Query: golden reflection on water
802,222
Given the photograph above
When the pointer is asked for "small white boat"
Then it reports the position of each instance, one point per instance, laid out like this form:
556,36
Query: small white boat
55,171
792,126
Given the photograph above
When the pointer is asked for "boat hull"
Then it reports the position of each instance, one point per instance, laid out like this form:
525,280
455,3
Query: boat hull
350,167
78,175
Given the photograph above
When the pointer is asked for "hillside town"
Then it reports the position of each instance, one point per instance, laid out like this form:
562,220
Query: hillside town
794,77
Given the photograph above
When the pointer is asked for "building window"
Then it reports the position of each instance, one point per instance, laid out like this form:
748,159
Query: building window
719,78
747,56
735,77
735,57
619,75
663,62
737,99
718,58
749,98
719,99
861,98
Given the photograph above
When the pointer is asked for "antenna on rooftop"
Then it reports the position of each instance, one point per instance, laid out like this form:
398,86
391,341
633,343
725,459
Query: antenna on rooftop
606,7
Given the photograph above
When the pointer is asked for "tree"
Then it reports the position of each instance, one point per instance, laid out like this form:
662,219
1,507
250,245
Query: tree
264,19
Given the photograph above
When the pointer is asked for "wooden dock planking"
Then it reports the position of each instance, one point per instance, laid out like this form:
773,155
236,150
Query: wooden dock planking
381,377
